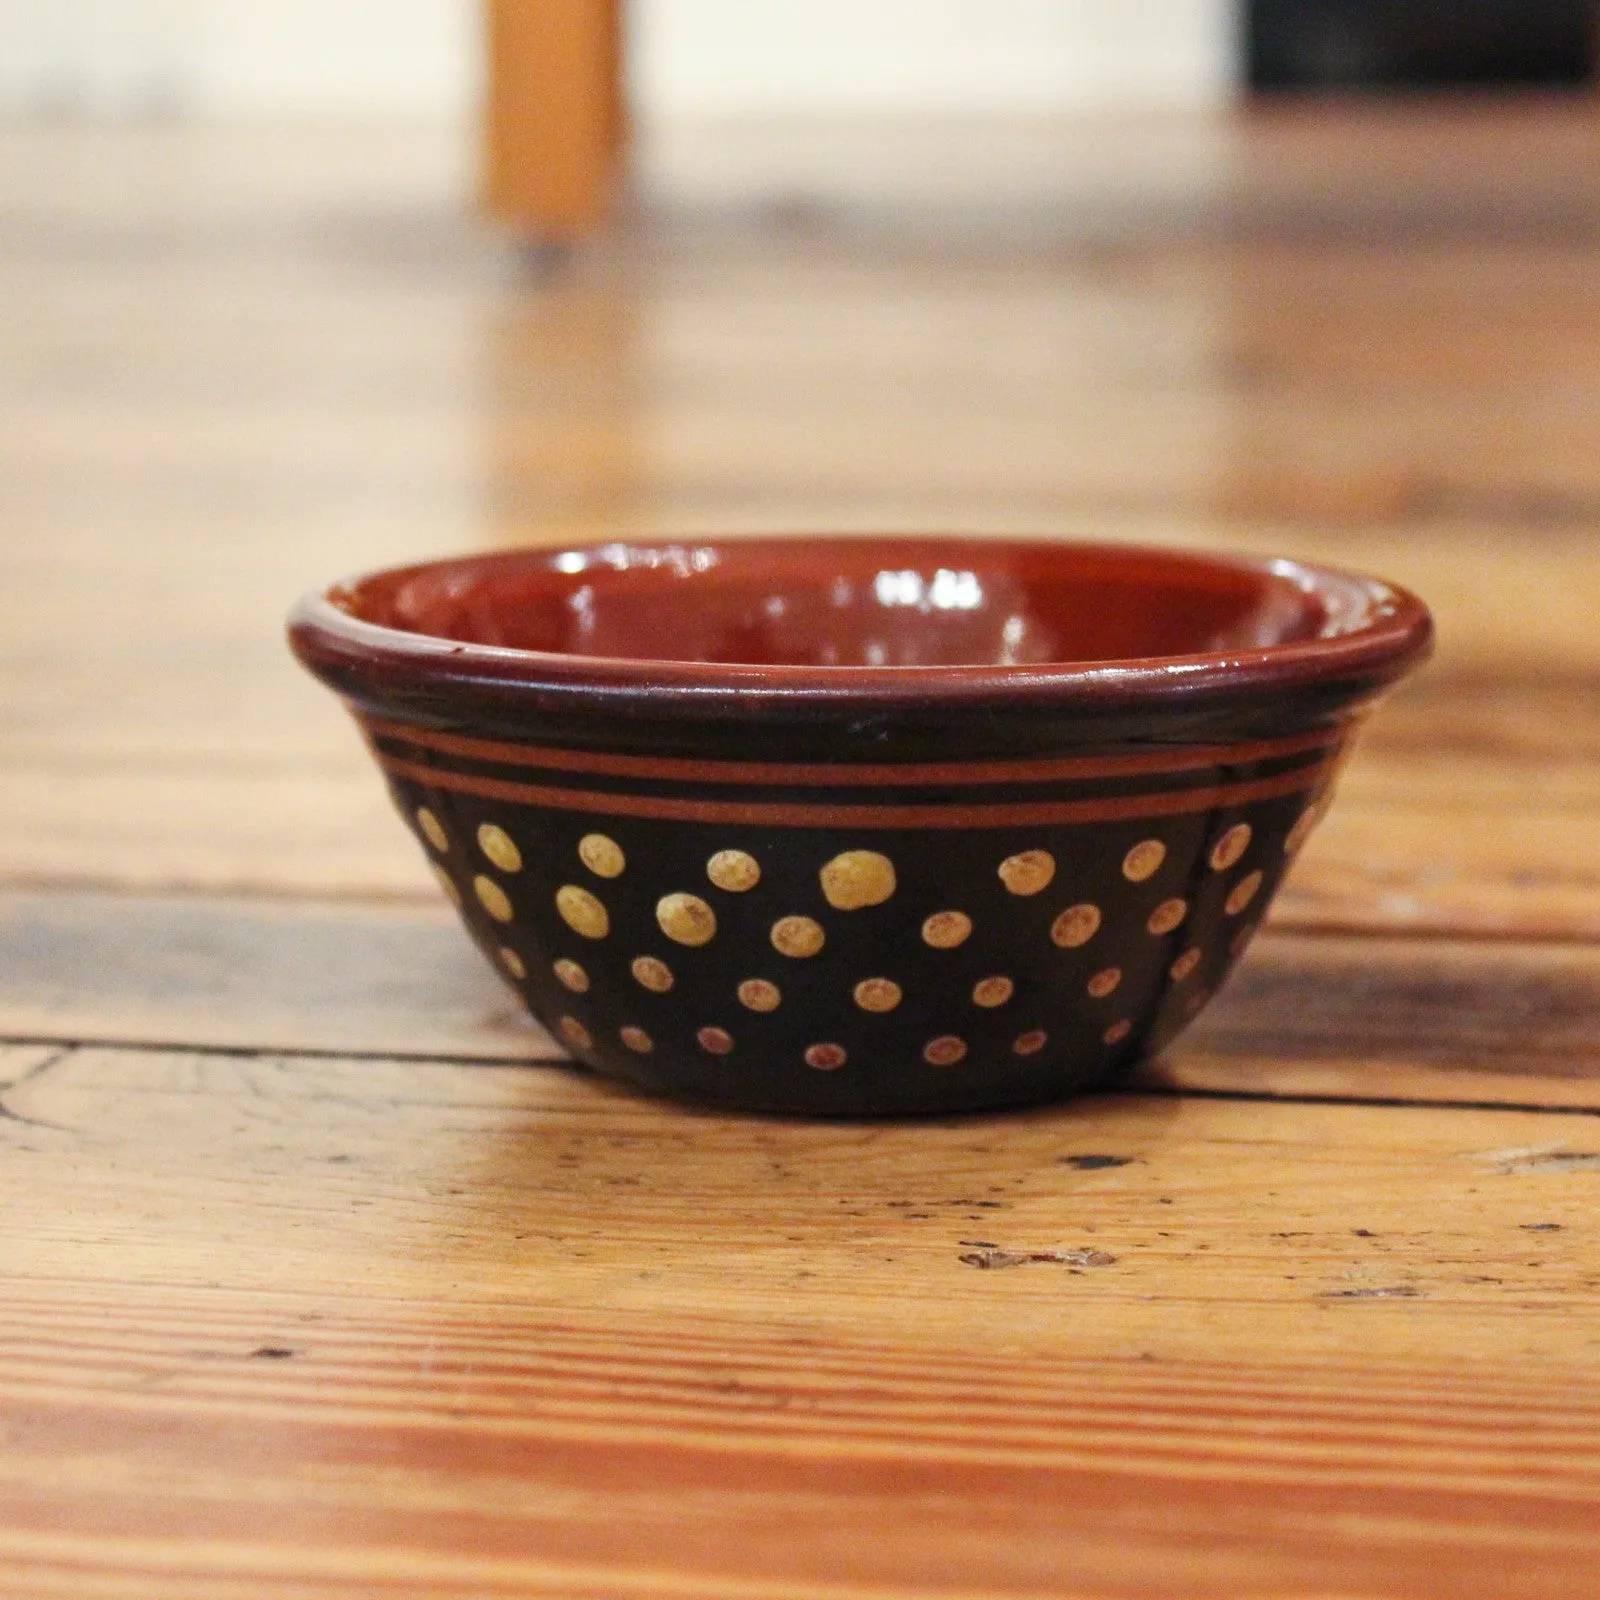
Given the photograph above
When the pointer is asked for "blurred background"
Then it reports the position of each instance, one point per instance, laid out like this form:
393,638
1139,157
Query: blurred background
1310,276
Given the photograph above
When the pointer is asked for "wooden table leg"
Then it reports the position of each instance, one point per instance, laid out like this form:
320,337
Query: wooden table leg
554,122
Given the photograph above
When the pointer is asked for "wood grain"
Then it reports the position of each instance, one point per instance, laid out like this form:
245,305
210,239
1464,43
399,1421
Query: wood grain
1312,1016
322,1277
1436,420
501,1330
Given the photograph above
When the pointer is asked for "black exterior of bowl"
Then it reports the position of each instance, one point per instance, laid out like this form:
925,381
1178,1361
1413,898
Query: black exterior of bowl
878,898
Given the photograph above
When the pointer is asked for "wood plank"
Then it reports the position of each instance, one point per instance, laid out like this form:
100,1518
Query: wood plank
499,1330
1467,810
255,975
1313,1016
1433,415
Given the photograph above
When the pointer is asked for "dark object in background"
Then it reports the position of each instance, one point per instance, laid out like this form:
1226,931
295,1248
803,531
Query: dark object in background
1378,44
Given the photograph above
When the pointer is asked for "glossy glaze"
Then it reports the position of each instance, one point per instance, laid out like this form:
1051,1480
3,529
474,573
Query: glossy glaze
763,870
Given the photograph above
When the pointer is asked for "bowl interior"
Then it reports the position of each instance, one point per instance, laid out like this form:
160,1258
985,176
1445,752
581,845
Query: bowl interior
862,603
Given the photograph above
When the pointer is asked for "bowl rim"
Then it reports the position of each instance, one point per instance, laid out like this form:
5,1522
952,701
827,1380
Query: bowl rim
370,661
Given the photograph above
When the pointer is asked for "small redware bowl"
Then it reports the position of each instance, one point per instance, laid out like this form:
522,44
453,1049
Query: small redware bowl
865,826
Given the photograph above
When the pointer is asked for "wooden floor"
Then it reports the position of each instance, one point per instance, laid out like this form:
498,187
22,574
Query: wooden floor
320,1276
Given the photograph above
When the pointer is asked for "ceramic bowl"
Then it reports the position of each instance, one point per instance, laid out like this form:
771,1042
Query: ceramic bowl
865,826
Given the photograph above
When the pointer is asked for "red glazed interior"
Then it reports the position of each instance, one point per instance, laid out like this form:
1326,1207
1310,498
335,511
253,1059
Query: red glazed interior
866,603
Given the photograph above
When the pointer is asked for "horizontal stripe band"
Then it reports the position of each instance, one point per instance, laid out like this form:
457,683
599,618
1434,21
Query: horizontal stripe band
820,774
785,814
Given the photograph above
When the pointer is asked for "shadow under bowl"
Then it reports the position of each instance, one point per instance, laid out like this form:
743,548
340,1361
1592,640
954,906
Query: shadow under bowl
861,826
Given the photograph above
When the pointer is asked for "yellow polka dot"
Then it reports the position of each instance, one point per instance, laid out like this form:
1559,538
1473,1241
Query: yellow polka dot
447,883
826,1057
1167,916
500,848
944,1051
686,919
432,829
512,962
601,855
582,912
1301,831
637,1040
1076,925
1243,892
718,1041
944,930
857,878
1028,872
1185,964
1031,1042
1143,860
878,994
1117,1032
758,995
570,975
492,898
1104,982
575,1033
992,992
1230,848
734,871
797,936
653,973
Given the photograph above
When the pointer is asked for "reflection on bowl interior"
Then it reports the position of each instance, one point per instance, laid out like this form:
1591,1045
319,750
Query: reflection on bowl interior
883,603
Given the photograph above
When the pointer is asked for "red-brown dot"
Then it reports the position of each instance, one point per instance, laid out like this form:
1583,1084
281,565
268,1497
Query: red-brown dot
1031,1042
1230,848
492,898
856,879
575,1033
570,975
991,992
1185,964
797,937
1028,871
717,1040
602,855
878,994
1075,926
637,1040
432,829
1118,1031
499,847
1104,982
945,1051
652,973
736,871
582,912
686,919
1243,892
1143,860
1167,916
826,1057
759,995
1301,831
944,930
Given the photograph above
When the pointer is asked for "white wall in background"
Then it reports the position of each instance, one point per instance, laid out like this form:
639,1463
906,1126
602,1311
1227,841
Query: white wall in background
244,57
799,56
320,57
